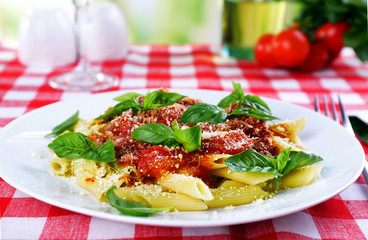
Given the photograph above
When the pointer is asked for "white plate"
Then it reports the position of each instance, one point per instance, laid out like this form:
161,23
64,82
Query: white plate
24,164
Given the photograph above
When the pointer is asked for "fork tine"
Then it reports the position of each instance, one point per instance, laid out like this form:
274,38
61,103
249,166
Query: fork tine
333,109
316,104
325,106
342,110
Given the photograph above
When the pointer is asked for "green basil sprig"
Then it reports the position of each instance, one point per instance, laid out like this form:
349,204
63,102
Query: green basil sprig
204,112
127,96
158,99
233,97
286,161
77,145
152,100
160,134
190,138
66,125
131,208
249,105
122,107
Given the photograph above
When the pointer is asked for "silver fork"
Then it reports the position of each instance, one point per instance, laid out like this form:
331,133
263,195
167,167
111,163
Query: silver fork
327,104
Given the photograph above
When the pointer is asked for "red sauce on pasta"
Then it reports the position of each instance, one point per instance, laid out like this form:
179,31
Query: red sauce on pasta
152,162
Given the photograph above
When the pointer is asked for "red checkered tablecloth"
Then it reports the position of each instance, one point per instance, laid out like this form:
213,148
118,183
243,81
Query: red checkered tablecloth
23,89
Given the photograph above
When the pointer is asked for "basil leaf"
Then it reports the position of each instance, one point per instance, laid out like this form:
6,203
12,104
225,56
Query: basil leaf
252,161
300,159
234,97
154,133
66,125
136,209
77,145
256,103
204,112
158,99
253,113
127,96
106,152
171,142
190,137
282,159
120,108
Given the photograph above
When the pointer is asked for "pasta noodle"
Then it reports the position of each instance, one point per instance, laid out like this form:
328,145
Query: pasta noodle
167,174
233,196
244,177
154,196
301,176
189,185
60,166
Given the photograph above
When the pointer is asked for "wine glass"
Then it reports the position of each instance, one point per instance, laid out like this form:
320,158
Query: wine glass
83,77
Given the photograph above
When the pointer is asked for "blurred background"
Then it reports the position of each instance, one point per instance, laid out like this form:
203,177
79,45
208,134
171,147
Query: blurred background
148,21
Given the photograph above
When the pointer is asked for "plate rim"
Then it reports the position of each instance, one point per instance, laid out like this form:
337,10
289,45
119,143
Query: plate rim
150,220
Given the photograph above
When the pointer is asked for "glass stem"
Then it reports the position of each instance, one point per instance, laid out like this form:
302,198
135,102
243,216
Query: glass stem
82,21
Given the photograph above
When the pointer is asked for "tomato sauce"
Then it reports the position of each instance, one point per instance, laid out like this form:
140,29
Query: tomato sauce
236,135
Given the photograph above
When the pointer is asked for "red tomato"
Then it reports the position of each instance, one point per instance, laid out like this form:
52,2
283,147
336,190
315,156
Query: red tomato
331,34
290,48
317,58
263,51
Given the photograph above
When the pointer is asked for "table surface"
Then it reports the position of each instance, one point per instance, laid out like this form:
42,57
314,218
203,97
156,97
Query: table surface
23,89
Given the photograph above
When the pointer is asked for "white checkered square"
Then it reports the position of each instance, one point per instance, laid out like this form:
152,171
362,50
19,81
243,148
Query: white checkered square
285,84
30,81
228,84
299,223
19,95
362,72
134,69
353,62
294,97
325,73
137,58
184,83
206,231
7,56
363,225
116,230
177,59
276,72
2,67
140,48
352,98
180,49
334,83
22,228
128,82
229,71
355,192
11,112
39,69
182,70
20,194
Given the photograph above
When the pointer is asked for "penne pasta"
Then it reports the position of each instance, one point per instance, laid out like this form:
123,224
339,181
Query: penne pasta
286,134
219,160
301,176
244,177
60,166
231,183
189,185
233,196
164,150
154,196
